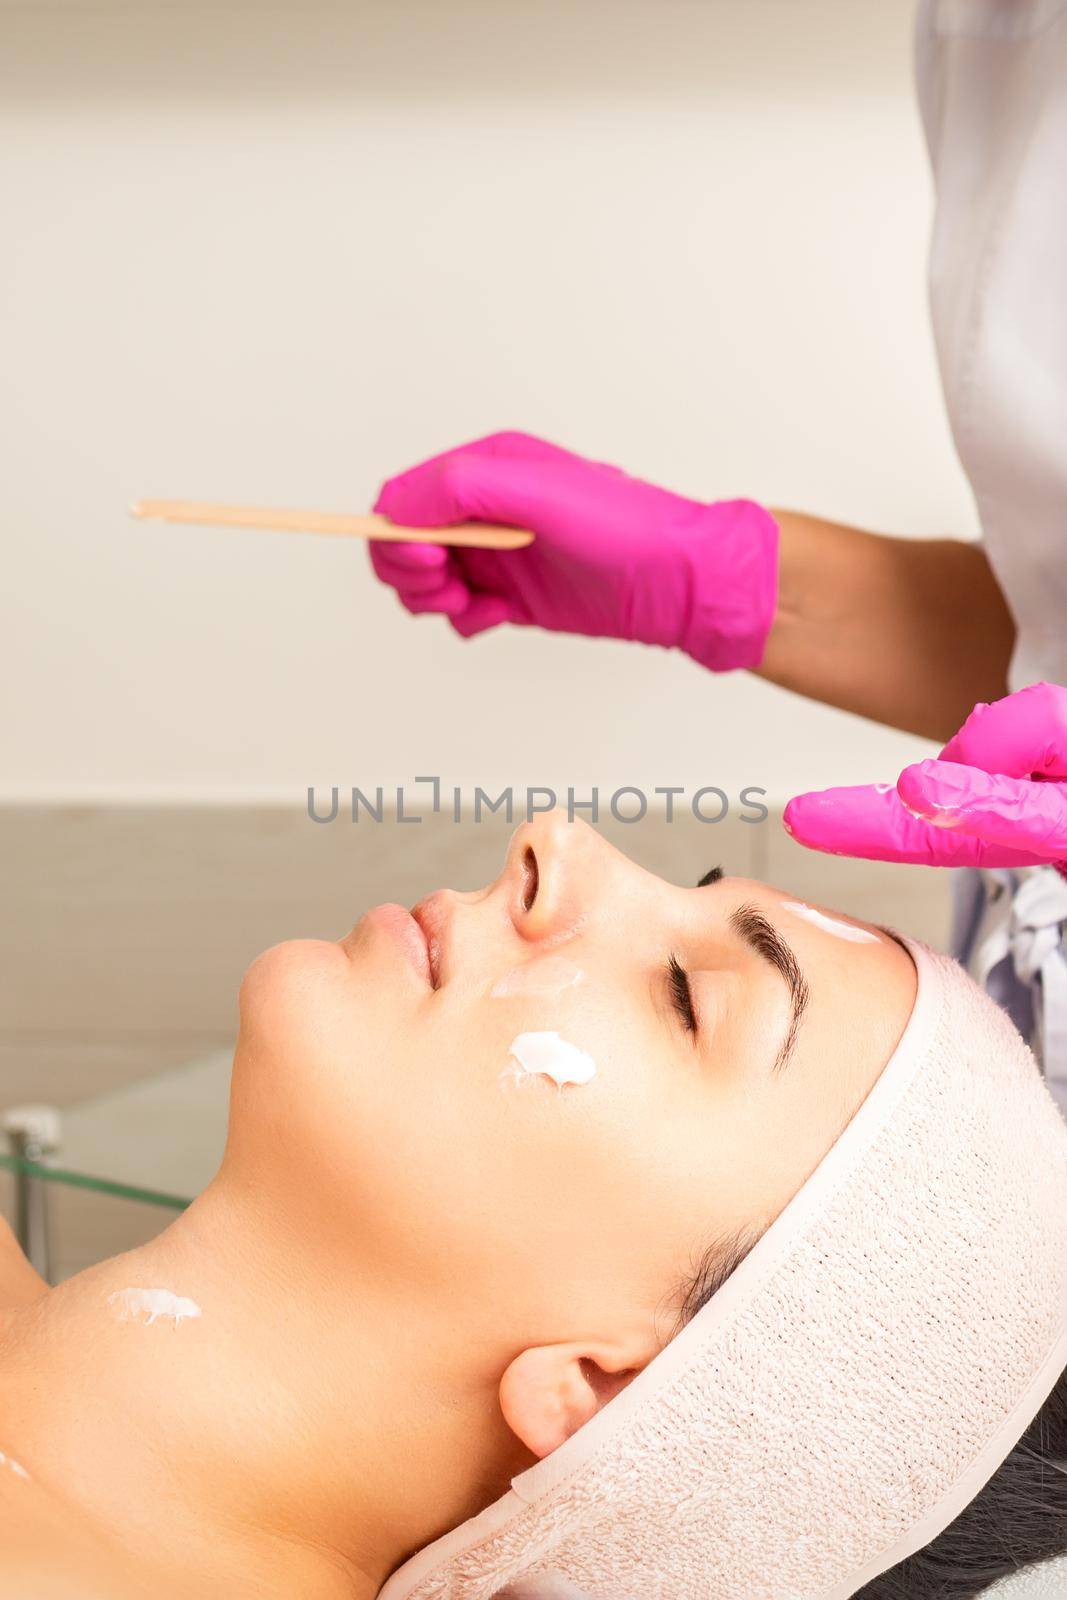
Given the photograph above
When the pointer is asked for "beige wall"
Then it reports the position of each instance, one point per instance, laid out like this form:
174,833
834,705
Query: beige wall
273,252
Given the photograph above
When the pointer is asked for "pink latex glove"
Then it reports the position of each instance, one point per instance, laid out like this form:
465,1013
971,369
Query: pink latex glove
997,797
613,557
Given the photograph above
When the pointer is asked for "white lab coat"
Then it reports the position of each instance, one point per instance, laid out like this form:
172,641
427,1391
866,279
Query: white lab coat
992,84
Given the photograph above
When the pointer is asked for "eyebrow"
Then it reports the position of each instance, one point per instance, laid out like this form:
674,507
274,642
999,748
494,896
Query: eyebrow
752,927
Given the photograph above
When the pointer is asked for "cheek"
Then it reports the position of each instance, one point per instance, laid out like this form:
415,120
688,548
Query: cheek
312,1052
428,1139
369,1113
469,1160
590,1121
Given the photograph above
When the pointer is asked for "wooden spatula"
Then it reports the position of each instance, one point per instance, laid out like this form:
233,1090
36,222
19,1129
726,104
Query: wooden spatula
475,535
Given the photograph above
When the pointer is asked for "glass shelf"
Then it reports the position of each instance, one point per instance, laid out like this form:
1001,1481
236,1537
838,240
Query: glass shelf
157,1140
84,1180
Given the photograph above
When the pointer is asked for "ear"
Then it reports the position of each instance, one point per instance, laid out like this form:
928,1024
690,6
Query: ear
550,1391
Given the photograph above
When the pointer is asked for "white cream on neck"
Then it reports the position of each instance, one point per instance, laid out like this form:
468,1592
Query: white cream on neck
9,1464
545,1054
544,975
152,1305
840,930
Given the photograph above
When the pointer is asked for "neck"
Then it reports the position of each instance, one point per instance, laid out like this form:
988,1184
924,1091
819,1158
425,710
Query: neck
292,1438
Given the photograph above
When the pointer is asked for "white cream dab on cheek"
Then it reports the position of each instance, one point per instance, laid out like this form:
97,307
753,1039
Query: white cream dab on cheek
152,1305
840,930
549,975
546,1055
11,1465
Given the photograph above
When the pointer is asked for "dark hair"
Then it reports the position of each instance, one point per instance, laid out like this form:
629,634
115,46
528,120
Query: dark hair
1018,1518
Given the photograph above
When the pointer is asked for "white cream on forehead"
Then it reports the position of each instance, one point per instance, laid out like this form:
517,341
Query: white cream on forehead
152,1305
546,1055
543,975
11,1465
840,930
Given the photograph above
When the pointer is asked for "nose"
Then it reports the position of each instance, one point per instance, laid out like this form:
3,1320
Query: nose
553,872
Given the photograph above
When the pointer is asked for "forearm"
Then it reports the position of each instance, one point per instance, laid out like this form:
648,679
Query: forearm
908,632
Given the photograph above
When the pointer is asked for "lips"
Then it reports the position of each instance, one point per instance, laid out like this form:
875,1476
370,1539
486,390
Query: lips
401,927
432,917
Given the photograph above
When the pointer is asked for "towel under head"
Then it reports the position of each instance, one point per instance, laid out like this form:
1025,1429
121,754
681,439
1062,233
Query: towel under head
856,1381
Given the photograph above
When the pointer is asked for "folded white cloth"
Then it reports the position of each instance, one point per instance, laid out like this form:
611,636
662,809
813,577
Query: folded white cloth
856,1381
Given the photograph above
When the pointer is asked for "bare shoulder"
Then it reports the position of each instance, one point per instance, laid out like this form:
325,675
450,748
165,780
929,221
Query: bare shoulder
19,1283
44,1555
47,1550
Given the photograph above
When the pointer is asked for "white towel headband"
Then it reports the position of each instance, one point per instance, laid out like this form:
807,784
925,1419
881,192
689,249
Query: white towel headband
856,1381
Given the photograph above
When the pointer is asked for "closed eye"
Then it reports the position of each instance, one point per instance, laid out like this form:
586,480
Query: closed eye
681,994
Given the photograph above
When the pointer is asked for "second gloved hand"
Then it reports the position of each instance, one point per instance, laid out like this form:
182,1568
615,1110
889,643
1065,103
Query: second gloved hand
613,556
996,797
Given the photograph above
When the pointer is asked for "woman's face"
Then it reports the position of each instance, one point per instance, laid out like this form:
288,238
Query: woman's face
381,1100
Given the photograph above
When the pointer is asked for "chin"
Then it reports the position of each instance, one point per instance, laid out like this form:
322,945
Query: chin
290,978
